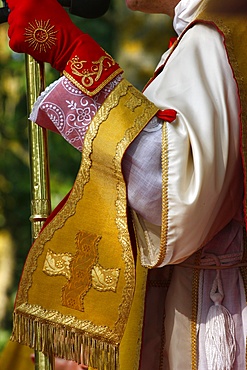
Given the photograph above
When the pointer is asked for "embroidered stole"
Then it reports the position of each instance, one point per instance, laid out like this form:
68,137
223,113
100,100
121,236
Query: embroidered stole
81,295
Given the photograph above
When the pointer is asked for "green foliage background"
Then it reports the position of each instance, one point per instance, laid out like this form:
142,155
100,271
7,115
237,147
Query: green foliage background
136,41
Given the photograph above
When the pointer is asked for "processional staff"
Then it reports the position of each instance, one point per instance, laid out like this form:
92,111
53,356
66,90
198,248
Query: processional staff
39,172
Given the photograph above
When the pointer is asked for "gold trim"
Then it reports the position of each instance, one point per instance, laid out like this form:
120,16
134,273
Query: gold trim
152,237
98,88
30,313
164,221
194,313
90,76
121,203
79,347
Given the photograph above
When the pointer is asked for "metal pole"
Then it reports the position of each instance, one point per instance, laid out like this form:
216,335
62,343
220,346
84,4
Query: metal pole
43,362
39,172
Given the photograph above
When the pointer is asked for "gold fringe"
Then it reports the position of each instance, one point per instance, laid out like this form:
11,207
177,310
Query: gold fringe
60,341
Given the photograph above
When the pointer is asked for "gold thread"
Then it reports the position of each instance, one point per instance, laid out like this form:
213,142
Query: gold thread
193,326
57,264
104,280
27,311
164,221
52,340
74,291
163,230
92,75
121,203
98,88
40,35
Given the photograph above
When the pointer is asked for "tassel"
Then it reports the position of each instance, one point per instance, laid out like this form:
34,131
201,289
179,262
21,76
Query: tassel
220,338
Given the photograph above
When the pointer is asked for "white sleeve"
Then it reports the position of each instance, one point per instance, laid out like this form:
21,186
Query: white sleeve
205,178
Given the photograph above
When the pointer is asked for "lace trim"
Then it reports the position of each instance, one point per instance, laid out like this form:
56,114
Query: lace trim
34,114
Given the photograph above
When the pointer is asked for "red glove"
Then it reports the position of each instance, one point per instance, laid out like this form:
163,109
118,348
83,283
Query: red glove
44,30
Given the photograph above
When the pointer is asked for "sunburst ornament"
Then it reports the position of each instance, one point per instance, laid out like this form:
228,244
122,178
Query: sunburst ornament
40,35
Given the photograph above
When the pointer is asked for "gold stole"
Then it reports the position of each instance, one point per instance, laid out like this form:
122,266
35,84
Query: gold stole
81,295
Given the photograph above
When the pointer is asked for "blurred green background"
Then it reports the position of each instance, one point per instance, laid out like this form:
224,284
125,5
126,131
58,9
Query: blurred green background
136,41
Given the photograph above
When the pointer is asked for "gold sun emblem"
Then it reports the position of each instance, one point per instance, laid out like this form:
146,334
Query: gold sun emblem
40,35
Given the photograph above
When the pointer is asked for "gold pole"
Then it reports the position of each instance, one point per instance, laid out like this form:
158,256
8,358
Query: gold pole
43,362
39,172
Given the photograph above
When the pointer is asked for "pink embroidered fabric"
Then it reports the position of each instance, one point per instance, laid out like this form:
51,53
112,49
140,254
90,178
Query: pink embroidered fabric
65,109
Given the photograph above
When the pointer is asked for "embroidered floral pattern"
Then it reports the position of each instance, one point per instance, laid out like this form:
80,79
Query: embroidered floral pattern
81,270
73,114
104,280
76,288
73,124
57,264
90,75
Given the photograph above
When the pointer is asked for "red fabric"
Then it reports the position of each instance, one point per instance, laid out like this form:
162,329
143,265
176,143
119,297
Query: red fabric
56,210
44,30
90,68
168,115
172,41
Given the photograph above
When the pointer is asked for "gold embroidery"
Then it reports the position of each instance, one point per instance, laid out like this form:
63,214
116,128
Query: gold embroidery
194,313
57,264
77,192
134,101
92,75
40,35
101,279
65,332
98,88
56,337
83,261
164,229
105,279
